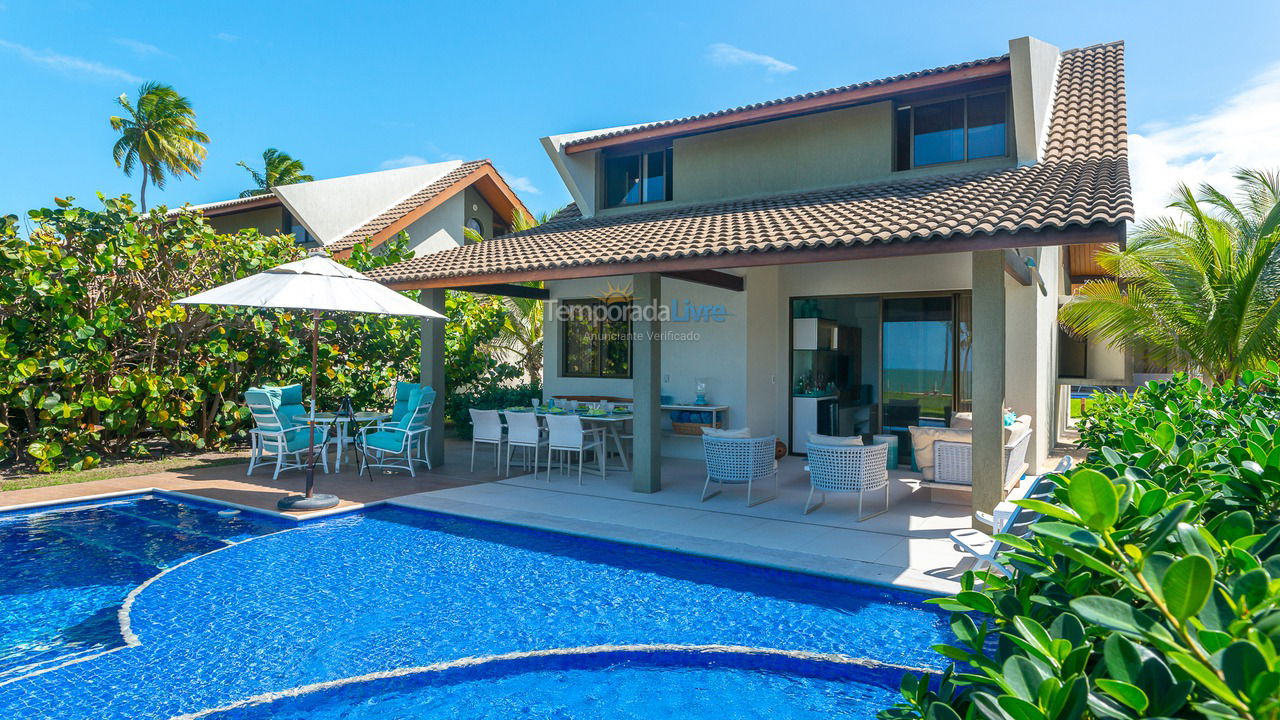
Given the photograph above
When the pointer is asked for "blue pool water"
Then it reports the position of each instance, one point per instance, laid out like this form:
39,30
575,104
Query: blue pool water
417,594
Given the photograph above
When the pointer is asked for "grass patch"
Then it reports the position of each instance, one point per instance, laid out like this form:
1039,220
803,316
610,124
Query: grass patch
125,469
1075,408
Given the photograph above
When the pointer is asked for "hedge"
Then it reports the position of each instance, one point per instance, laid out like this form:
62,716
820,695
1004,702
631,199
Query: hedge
1150,588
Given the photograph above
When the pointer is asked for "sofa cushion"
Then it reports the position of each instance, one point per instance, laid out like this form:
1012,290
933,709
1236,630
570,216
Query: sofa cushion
923,438
962,420
836,440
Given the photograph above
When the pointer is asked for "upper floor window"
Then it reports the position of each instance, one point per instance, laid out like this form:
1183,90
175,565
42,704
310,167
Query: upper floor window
951,131
637,178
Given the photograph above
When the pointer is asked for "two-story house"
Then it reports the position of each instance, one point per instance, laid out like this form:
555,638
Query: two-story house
862,260
431,203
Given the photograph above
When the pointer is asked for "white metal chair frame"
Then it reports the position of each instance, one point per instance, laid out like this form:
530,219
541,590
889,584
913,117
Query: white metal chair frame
271,437
738,461
487,428
847,469
984,548
403,458
566,434
525,432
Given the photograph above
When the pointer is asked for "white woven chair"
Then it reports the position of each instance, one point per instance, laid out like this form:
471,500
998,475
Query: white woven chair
847,469
953,461
738,461
486,428
524,431
567,435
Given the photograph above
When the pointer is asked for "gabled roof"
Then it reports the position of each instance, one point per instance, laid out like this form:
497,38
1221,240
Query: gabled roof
826,99
331,209
371,207
1081,181
222,207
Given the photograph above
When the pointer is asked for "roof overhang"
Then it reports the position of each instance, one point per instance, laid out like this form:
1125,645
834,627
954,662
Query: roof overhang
832,101
1073,235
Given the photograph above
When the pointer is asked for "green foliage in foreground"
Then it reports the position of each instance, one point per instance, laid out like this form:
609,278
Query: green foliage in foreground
95,359
1151,587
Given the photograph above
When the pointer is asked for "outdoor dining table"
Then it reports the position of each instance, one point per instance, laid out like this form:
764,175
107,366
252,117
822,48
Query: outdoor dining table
609,421
343,436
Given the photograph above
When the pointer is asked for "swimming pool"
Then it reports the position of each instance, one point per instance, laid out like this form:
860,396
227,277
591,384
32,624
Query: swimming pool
394,612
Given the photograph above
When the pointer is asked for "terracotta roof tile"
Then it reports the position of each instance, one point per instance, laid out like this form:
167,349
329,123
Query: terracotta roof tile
1082,179
385,218
788,100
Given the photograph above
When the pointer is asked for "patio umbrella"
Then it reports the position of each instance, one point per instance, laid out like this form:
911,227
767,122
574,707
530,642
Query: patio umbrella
316,284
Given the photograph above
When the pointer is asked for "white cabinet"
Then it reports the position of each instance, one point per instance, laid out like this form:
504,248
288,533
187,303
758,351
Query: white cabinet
813,334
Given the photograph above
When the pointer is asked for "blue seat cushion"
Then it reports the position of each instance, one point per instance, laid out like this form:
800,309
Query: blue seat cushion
386,440
291,394
299,438
402,399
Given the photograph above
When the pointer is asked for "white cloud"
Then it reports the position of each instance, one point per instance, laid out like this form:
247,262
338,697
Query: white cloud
725,55
225,37
403,161
520,184
67,63
1244,131
140,48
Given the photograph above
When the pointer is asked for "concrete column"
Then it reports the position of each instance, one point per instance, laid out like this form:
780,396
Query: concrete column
431,365
646,377
988,379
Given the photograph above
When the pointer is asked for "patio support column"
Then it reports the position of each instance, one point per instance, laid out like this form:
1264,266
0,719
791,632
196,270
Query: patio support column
988,379
431,365
646,369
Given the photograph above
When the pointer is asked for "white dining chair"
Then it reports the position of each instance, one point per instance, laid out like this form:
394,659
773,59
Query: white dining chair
567,435
486,429
524,431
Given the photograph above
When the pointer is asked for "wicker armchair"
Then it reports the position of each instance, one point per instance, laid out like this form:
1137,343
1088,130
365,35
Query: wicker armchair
847,469
738,461
953,461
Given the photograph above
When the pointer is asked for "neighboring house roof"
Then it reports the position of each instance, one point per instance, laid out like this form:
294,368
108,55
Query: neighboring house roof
400,215
786,105
223,207
371,207
1081,179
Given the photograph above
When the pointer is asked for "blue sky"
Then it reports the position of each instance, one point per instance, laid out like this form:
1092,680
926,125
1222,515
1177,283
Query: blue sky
355,87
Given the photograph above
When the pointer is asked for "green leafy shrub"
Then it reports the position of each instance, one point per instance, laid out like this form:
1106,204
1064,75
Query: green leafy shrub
95,359
1151,587
490,397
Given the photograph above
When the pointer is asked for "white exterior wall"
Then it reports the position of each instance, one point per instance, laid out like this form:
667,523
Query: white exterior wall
439,229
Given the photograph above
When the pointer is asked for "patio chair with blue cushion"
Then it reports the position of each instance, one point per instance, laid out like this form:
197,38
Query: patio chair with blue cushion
278,432
403,389
399,444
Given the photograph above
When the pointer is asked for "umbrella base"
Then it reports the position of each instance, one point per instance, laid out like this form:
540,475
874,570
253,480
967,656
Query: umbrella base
319,501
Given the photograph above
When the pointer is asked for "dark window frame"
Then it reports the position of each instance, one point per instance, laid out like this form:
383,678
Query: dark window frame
907,143
642,155
599,343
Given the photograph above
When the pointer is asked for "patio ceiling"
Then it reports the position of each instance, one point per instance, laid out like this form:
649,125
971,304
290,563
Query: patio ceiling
1077,193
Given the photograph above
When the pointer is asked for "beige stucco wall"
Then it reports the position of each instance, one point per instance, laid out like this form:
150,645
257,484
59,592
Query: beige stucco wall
831,148
439,229
474,206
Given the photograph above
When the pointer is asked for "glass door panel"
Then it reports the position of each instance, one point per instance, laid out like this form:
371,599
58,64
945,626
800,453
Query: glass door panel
918,363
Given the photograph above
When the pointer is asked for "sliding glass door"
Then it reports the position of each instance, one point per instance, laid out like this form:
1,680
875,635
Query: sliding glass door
918,362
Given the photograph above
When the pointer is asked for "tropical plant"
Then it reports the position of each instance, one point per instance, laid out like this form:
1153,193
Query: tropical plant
522,330
1150,588
159,135
96,362
278,168
1200,291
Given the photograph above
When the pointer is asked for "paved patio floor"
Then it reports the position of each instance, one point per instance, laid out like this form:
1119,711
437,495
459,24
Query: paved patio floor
905,547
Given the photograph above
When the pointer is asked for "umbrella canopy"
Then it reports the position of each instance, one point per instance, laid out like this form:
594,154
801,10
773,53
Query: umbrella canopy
316,283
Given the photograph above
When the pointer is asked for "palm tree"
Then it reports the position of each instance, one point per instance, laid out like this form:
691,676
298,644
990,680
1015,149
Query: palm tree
1201,291
278,169
521,333
159,134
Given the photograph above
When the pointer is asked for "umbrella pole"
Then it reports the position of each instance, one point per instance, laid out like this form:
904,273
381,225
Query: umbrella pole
311,444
